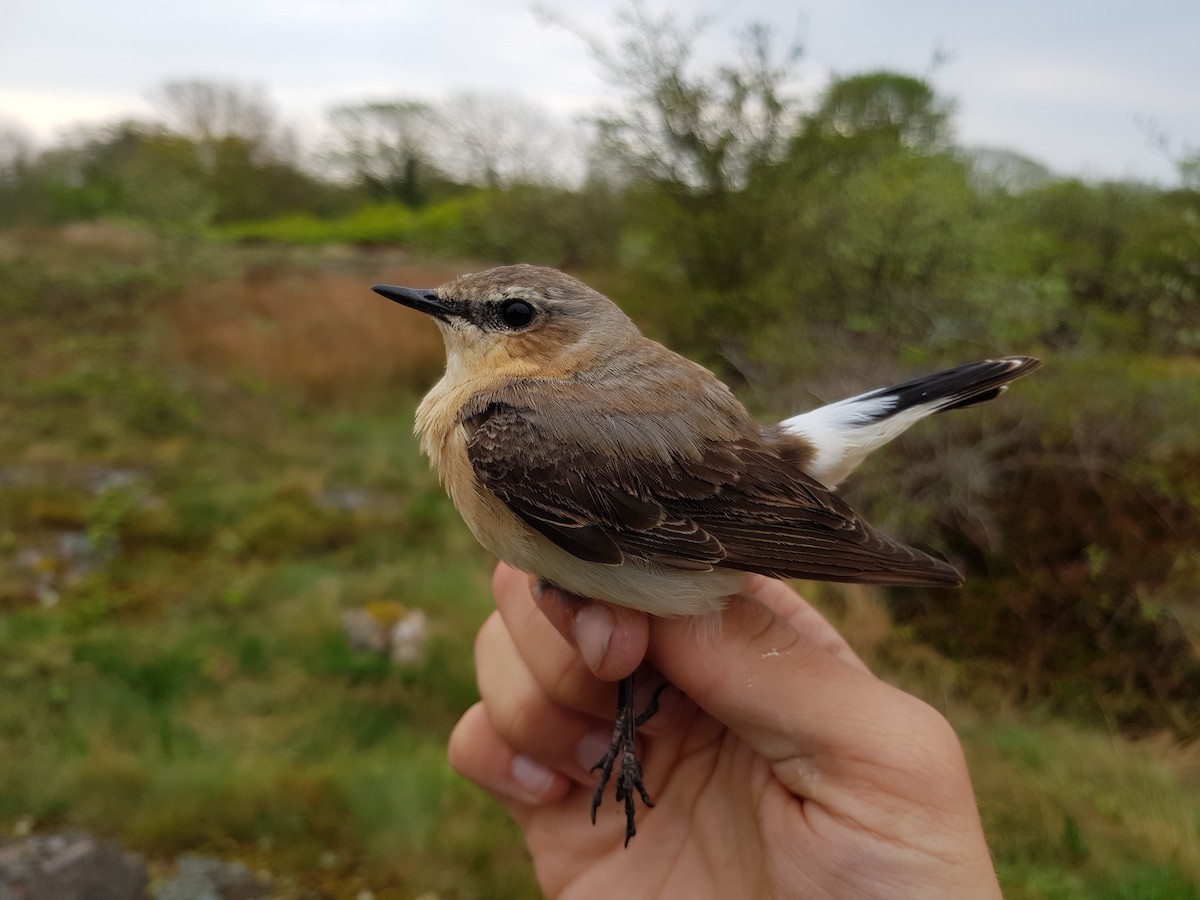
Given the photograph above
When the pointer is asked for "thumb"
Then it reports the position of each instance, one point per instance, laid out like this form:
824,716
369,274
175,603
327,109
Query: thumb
803,702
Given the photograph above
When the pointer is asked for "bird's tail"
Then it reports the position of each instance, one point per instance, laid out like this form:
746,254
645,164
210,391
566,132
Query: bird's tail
843,434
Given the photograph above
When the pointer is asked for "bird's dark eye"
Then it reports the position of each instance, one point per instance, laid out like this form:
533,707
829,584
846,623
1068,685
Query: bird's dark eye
516,313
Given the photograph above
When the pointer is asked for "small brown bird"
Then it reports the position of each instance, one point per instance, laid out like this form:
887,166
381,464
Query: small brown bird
581,451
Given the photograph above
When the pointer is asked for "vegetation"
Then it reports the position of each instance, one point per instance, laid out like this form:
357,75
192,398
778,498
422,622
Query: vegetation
206,454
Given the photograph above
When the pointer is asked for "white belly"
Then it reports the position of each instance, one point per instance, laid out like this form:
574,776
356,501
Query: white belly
655,589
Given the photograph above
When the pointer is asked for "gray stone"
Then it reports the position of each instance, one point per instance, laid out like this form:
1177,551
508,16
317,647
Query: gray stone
206,878
70,866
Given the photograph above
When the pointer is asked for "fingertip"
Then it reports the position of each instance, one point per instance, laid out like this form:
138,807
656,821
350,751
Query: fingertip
467,738
505,579
592,628
539,783
611,639
490,630
625,647
591,749
477,753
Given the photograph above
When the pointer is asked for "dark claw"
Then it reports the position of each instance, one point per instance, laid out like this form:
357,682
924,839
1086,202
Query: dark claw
605,765
651,707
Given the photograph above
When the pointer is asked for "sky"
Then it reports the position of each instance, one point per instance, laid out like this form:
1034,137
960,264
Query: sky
1079,85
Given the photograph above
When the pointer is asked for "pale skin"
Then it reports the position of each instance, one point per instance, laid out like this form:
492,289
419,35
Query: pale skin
779,765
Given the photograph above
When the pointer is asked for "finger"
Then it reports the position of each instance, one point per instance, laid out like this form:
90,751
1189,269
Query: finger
611,639
556,666
825,722
525,717
519,782
782,600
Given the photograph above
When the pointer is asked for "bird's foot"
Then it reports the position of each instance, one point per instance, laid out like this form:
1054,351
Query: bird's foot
629,774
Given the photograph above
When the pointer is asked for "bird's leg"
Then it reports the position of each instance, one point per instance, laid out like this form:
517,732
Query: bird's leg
629,776
628,720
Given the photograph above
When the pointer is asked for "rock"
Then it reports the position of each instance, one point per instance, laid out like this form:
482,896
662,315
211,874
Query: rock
408,637
364,631
58,560
359,502
387,628
70,866
207,878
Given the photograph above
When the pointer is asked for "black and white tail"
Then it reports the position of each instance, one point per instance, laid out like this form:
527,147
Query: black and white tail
843,434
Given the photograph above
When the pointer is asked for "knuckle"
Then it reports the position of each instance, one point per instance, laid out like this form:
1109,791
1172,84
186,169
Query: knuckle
459,747
488,632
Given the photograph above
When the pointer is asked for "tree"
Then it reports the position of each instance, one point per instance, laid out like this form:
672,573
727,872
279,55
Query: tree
888,108
21,201
1189,170
699,133
208,113
246,158
1006,171
697,145
496,140
862,119
383,146
16,149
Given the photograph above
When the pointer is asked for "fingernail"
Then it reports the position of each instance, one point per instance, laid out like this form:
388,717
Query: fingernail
593,627
531,775
592,749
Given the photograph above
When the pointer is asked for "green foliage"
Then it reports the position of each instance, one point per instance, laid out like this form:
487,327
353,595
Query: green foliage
876,114
1126,257
389,223
895,247
160,178
697,134
531,223
376,143
1149,883
1075,506
1073,840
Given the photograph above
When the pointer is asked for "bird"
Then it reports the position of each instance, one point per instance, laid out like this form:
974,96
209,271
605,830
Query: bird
581,451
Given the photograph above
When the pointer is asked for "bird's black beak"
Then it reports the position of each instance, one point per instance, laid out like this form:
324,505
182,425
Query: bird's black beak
423,301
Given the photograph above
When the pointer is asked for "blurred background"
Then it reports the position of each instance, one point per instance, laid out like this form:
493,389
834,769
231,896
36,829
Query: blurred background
236,609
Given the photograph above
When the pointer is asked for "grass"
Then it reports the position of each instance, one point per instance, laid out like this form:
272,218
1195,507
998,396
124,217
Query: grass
189,686
321,333
1086,814
202,464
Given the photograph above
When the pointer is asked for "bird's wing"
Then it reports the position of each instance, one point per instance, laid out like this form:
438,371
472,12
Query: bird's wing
735,503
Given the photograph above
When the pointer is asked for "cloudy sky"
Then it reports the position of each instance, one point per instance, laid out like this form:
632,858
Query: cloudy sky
1078,84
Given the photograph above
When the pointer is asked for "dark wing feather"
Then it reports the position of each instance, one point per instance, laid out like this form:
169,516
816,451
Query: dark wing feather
737,505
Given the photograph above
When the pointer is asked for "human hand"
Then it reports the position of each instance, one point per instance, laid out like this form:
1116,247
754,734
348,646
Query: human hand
779,765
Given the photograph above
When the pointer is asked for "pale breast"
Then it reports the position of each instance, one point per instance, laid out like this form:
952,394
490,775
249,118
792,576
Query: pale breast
444,441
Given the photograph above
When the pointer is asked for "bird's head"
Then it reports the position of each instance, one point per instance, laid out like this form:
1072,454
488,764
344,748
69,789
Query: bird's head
520,322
